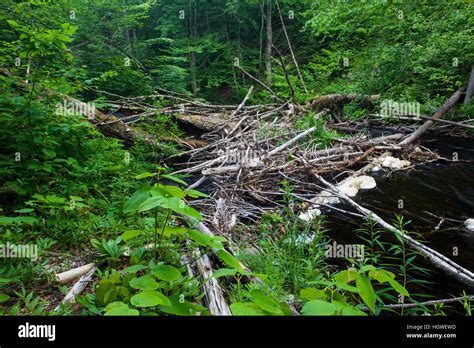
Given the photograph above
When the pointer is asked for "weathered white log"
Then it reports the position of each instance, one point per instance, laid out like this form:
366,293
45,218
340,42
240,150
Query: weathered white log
67,276
204,229
214,296
78,287
434,257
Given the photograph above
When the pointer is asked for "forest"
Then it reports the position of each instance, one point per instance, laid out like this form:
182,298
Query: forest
236,158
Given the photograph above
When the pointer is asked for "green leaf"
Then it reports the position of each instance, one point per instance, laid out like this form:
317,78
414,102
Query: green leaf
245,308
346,287
199,237
50,153
230,261
144,175
167,273
122,311
195,194
346,276
172,230
353,311
4,297
383,276
398,287
149,299
134,269
179,206
174,178
152,202
172,191
318,307
120,308
146,282
137,198
127,235
180,307
366,292
24,210
12,23
312,294
265,302
223,272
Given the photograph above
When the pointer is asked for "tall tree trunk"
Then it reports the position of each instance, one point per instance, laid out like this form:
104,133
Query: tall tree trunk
262,24
268,48
192,56
239,41
127,30
470,87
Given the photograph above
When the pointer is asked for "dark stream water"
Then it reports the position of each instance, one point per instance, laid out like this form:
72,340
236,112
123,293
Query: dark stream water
443,189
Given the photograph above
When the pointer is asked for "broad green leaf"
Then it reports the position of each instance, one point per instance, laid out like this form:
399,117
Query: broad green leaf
137,198
398,287
366,292
180,206
181,307
149,299
119,308
167,273
12,23
245,309
353,311
134,269
223,272
152,202
346,287
366,268
24,210
4,297
312,294
199,237
172,230
146,282
346,276
173,191
381,275
50,153
230,261
318,307
127,235
265,302
174,178
144,175
122,311
196,194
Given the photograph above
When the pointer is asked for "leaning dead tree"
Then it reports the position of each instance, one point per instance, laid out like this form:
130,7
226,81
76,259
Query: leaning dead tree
438,114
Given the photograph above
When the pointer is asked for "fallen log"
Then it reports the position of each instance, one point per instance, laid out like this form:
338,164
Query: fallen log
214,297
78,287
437,115
423,304
442,262
71,274
112,126
203,228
